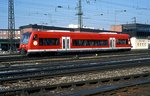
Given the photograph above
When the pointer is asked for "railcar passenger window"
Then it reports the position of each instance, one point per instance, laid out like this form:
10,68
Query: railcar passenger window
48,41
90,42
122,41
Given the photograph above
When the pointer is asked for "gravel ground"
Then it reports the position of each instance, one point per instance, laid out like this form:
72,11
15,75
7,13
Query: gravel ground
77,78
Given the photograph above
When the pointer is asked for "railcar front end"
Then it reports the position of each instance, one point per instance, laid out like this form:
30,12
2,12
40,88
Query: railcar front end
24,43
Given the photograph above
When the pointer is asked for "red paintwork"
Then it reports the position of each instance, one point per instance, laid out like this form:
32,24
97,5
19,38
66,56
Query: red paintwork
73,35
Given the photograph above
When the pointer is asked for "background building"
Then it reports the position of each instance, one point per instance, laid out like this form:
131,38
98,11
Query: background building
4,41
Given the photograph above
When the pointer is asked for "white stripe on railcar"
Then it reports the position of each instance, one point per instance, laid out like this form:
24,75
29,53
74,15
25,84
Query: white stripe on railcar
76,49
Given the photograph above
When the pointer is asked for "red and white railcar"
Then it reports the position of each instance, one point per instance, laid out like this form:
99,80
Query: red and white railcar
41,42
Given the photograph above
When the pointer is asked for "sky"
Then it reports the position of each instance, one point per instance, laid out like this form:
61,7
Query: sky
99,14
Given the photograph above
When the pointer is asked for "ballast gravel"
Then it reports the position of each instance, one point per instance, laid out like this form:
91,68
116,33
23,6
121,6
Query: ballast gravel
75,78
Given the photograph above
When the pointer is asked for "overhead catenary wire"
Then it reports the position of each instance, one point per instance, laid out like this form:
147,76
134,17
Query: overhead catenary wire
90,8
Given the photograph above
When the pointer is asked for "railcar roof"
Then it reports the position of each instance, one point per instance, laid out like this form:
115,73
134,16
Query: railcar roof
77,32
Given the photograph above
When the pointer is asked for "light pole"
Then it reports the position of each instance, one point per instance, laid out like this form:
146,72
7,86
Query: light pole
134,20
80,14
118,11
49,16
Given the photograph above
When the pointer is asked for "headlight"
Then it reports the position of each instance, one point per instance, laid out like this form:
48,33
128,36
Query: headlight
35,43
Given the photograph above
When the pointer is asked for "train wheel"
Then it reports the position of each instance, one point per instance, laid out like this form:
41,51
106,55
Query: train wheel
23,52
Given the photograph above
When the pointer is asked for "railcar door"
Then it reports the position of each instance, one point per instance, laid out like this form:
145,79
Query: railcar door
112,42
65,43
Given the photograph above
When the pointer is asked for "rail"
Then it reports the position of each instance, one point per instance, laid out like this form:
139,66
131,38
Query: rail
34,71
107,88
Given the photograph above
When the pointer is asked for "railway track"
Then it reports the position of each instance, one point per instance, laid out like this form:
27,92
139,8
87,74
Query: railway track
110,58
39,70
101,87
21,59
17,73
14,57
35,72
113,88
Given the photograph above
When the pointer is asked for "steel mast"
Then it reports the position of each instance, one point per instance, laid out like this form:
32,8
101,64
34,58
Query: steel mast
80,13
11,25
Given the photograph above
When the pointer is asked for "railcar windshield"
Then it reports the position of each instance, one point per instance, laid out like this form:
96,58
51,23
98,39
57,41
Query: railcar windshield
25,38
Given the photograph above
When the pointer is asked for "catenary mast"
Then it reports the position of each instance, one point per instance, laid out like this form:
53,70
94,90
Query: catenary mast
80,13
11,25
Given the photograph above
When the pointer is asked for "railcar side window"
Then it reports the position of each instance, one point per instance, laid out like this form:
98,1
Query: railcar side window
90,42
122,41
48,41
35,37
